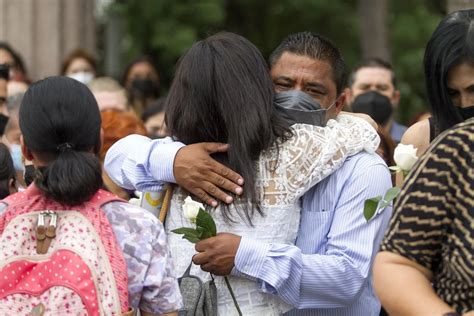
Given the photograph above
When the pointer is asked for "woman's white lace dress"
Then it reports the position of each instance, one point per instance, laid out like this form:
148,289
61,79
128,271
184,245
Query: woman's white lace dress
284,176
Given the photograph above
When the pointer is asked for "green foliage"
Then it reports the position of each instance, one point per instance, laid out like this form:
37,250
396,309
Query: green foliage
205,228
411,24
374,205
164,29
370,207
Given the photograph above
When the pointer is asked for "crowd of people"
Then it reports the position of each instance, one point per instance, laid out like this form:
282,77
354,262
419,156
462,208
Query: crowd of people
284,155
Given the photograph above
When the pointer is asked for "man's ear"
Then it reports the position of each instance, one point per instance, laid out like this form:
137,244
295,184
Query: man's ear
348,101
25,151
340,102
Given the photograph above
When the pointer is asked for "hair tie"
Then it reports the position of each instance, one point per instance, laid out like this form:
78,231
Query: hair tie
65,147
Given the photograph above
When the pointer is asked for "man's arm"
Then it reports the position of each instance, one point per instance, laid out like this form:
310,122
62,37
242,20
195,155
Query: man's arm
139,163
329,280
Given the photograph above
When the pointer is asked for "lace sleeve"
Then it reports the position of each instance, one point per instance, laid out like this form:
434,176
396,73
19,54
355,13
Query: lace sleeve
312,154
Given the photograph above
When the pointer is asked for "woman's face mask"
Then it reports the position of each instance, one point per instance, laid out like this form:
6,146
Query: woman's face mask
17,157
467,112
144,88
84,77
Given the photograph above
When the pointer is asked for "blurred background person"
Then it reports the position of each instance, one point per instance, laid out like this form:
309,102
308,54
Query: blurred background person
12,135
4,76
449,79
370,78
116,125
8,56
142,82
79,65
109,94
154,119
7,173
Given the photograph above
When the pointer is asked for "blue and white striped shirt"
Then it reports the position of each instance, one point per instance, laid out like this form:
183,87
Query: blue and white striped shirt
328,272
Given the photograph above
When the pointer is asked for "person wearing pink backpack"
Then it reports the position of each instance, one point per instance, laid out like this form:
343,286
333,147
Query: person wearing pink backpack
67,246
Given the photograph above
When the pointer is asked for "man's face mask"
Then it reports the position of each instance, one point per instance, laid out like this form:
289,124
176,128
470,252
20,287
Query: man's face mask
299,107
374,104
467,112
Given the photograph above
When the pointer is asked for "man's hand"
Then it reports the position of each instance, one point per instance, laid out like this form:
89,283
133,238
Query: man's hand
197,172
217,254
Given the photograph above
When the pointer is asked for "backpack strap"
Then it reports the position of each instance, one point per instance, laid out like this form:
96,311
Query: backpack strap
165,207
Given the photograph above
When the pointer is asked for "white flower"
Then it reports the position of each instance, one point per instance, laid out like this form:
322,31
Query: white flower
191,208
405,156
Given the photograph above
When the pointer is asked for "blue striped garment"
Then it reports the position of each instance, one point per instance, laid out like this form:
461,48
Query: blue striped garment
328,272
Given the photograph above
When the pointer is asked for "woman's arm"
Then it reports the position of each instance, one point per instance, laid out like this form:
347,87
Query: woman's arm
418,135
404,287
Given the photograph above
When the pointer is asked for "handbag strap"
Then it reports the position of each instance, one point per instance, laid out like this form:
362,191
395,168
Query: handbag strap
165,207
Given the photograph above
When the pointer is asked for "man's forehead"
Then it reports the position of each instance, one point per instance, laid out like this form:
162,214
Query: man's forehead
373,74
302,67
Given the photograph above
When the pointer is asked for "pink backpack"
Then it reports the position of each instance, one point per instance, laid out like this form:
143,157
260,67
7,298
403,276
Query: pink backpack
56,260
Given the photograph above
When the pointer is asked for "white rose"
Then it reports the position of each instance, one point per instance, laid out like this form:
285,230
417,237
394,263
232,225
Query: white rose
405,156
191,208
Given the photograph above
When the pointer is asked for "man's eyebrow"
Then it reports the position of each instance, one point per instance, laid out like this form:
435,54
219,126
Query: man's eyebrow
317,86
283,78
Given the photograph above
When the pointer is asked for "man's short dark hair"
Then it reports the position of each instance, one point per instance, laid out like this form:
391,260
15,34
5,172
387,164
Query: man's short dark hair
314,46
373,62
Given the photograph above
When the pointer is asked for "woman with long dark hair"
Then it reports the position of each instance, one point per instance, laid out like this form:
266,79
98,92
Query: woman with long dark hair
449,77
222,92
114,255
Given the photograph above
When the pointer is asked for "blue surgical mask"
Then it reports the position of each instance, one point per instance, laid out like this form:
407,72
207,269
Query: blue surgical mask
17,157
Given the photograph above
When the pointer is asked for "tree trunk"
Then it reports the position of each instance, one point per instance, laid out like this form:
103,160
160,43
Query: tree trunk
373,28
455,5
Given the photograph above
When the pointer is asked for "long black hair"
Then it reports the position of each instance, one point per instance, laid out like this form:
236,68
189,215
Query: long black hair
60,123
222,92
7,171
451,43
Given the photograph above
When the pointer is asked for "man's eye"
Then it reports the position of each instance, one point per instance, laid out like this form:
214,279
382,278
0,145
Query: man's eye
452,93
282,86
313,91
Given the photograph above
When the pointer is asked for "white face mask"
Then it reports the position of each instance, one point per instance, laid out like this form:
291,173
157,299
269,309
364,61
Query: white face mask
84,77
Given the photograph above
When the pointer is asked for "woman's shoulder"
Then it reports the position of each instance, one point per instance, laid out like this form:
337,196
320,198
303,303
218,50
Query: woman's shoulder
418,135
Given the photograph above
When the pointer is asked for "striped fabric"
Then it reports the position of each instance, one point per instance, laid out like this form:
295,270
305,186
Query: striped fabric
328,272
433,222
138,169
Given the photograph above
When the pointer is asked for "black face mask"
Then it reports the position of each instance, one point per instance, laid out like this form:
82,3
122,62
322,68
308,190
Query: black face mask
144,88
29,174
3,123
374,104
467,112
298,107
